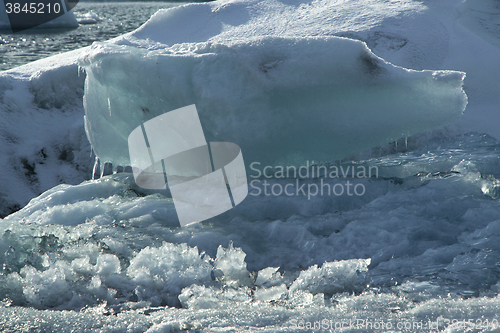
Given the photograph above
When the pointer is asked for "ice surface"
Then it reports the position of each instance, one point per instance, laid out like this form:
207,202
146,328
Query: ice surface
412,252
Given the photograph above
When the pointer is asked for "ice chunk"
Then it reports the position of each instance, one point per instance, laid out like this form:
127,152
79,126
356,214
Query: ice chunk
173,326
108,264
412,34
161,273
332,277
201,297
268,276
434,244
88,18
282,100
271,294
231,263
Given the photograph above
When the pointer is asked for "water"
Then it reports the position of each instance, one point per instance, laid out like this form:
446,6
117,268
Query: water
117,18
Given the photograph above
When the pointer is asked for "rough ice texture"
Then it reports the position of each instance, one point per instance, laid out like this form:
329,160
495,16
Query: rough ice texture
282,100
409,250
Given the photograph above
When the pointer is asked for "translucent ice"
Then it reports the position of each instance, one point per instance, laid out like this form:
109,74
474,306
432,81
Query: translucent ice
282,100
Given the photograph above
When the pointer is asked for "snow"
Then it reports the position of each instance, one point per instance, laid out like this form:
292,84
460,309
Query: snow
420,247
41,129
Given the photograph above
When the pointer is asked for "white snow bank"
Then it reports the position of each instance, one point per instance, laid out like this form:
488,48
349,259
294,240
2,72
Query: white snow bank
42,139
282,100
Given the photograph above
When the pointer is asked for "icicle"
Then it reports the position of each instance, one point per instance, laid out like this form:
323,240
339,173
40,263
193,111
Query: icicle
396,145
406,143
102,170
96,171
109,103
107,169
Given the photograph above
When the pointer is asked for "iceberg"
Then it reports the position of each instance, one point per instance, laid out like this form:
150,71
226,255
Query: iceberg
283,100
88,18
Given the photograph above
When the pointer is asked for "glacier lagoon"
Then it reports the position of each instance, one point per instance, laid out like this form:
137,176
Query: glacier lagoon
418,251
